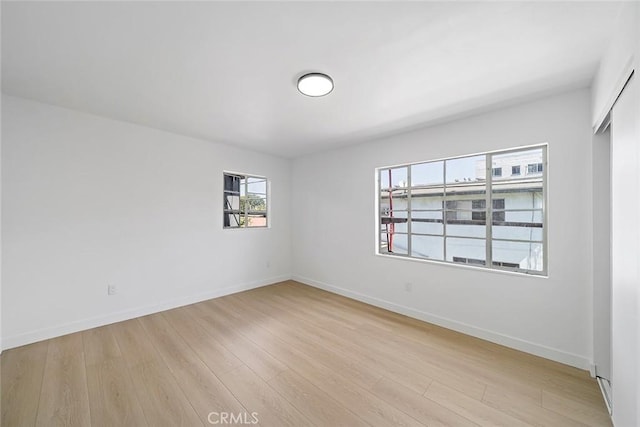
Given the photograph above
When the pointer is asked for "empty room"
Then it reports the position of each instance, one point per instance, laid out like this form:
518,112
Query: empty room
320,213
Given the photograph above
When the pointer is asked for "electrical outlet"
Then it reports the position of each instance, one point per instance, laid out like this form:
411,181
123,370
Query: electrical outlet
112,290
408,287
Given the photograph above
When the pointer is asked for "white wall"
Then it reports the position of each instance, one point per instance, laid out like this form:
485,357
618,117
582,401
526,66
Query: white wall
617,63
89,201
334,232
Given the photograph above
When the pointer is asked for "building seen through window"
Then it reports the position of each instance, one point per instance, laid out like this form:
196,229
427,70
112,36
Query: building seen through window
244,201
438,210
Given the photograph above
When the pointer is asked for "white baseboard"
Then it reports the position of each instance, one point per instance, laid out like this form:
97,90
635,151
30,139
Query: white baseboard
495,337
94,322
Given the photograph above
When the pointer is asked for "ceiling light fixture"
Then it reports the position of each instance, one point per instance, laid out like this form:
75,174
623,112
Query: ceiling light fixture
315,84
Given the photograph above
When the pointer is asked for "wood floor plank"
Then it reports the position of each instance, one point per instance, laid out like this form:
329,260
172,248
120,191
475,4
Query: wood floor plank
430,363
162,401
425,365
424,410
293,355
268,406
205,391
365,404
22,373
210,351
591,415
99,345
327,350
469,408
449,367
112,395
357,399
64,399
341,341
317,405
251,355
136,348
525,409
493,363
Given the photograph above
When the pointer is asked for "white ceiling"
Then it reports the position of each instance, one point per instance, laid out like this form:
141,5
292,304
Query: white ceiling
226,71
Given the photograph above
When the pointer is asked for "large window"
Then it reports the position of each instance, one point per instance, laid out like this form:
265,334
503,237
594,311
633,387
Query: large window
438,210
245,201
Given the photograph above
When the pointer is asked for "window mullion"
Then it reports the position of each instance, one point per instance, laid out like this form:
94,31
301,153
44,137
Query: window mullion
489,210
444,210
409,212
246,201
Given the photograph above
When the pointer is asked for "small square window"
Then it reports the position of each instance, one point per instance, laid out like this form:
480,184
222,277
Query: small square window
245,201
515,170
479,214
497,172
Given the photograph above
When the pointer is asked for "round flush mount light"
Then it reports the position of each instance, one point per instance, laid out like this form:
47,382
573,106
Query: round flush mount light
315,84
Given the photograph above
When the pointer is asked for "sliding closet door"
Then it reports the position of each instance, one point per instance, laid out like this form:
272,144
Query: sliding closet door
625,254
601,164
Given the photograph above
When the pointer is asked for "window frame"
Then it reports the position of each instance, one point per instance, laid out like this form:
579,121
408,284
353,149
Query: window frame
245,212
490,264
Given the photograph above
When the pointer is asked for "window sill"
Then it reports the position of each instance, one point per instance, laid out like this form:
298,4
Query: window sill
543,275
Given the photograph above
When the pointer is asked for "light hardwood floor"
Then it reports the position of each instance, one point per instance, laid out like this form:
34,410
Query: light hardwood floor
288,354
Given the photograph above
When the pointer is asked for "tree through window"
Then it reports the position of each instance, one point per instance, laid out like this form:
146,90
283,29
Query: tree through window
245,201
